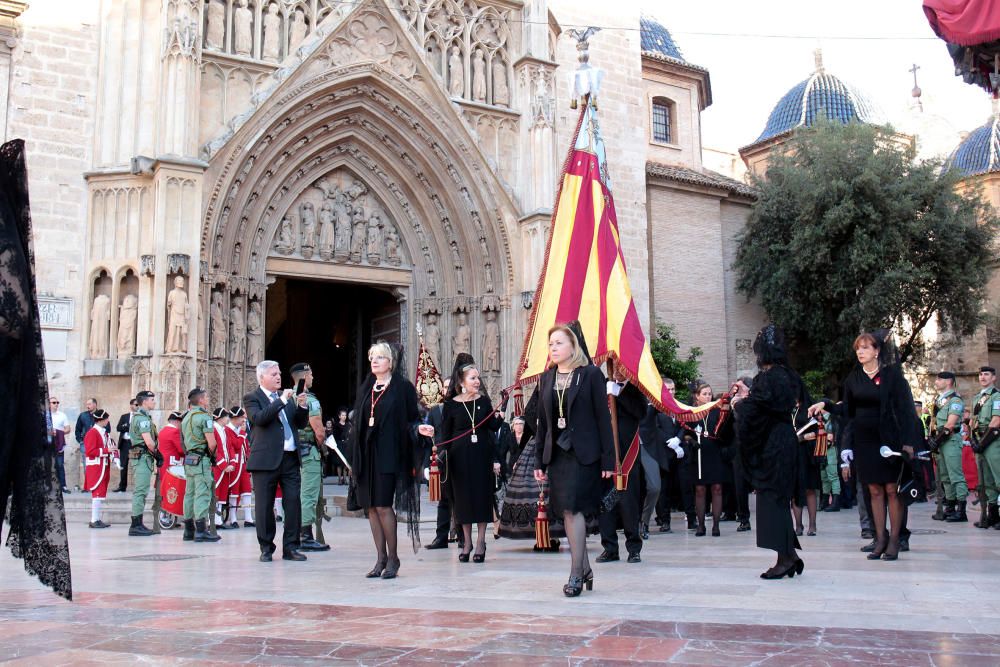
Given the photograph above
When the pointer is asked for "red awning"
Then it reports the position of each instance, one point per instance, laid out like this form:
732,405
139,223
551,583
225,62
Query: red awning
964,22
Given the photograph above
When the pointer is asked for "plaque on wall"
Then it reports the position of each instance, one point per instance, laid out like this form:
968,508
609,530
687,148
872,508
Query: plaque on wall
55,312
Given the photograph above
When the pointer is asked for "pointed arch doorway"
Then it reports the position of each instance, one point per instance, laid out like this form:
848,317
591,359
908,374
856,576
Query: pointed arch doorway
330,324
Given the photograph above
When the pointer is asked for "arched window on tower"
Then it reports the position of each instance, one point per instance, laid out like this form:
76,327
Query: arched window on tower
664,121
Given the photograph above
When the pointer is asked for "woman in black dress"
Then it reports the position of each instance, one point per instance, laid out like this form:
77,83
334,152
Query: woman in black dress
575,446
468,425
707,440
878,406
807,470
384,455
767,446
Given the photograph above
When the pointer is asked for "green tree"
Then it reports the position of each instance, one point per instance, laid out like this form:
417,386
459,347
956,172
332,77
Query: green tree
683,372
849,234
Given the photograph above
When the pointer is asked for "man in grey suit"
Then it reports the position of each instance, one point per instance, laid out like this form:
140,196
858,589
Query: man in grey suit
275,415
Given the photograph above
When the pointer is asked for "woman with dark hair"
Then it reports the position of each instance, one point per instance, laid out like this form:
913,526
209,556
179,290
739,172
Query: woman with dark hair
468,425
575,447
340,429
384,455
767,446
707,439
878,406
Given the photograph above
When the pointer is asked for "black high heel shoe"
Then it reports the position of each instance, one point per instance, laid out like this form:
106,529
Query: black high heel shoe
799,566
376,571
774,573
464,556
890,552
479,558
573,587
391,569
588,580
715,530
879,550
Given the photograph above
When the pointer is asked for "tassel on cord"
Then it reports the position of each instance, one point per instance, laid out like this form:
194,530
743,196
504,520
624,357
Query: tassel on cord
434,483
821,439
542,538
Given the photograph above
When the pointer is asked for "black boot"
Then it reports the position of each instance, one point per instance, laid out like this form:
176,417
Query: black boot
202,534
992,515
959,515
947,507
307,543
137,529
188,530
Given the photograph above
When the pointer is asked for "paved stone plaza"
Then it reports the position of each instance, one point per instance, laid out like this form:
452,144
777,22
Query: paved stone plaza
691,601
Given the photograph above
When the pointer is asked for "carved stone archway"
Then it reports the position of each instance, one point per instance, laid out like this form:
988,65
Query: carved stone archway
376,123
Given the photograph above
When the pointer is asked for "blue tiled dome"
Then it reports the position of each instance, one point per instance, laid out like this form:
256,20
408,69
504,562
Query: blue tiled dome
821,93
655,38
979,153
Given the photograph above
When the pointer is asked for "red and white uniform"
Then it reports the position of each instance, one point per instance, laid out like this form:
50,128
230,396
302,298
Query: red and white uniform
97,447
223,459
240,481
169,441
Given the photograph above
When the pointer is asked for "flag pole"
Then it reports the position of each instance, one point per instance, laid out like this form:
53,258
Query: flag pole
613,407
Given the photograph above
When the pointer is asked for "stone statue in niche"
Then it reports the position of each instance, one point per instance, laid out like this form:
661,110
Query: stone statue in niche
456,85
178,314
285,244
342,228
237,334
462,340
479,77
488,277
100,323
217,320
215,33
432,338
217,252
491,343
271,46
358,234
237,255
128,316
308,217
501,91
255,334
393,254
242,30
326,231
375,239
296,29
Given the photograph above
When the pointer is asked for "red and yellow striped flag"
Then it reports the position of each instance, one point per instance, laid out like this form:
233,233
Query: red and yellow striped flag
584,276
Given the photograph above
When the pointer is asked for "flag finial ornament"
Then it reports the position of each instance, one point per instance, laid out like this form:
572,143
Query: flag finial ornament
586,80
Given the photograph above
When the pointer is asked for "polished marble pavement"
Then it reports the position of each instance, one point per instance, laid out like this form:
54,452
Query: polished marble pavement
693,600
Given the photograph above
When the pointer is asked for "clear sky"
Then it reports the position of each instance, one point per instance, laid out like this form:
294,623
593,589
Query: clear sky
751,68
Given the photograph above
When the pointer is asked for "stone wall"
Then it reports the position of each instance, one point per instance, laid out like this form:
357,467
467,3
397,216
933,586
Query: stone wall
51,107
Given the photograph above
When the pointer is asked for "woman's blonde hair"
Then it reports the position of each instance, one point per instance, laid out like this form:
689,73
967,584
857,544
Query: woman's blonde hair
382,349
579,358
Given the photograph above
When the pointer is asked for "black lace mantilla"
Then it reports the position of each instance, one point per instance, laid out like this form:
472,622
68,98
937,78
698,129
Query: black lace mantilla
27,477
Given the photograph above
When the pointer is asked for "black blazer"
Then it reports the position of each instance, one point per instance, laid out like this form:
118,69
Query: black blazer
588,420
897,426
124,440
267,435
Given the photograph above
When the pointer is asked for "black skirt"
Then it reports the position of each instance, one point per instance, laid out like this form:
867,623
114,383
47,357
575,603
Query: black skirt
871,467
807,472
520,505
383,492
714,470
573,487
774,524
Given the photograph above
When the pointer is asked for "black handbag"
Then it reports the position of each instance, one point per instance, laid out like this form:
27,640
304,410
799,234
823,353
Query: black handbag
906,485
352,504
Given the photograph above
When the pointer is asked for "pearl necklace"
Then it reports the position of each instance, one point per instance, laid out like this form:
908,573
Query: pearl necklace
869,373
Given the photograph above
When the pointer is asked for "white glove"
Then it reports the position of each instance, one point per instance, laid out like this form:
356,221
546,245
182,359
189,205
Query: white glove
614,388
675,444
847,455
427,473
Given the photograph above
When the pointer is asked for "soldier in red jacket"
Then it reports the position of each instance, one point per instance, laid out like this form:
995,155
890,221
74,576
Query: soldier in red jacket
170,443
224,467
240,490
97,445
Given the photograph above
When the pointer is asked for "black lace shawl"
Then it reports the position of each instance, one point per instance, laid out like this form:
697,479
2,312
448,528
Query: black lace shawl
27,477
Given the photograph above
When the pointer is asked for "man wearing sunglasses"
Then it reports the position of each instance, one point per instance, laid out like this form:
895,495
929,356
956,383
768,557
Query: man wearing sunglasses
60,429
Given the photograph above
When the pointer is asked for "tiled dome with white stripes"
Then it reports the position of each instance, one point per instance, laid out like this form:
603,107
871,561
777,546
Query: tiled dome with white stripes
979,153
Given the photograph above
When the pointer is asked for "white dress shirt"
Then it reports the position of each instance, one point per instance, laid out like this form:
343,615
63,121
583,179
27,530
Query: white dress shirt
289,438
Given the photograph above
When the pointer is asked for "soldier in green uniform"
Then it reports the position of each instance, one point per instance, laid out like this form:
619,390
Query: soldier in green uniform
142,432
947,419
986,422
198,433
310,440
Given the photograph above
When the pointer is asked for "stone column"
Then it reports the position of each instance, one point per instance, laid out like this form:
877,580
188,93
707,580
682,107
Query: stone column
180,72
9,11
